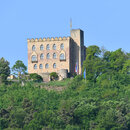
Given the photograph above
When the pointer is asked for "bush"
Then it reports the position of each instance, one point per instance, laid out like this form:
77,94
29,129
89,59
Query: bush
53,76
76,82
35,77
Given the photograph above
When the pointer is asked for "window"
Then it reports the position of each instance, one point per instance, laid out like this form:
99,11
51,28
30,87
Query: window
33,48
34,58
35,66
62,56
48,56
41,47
40,66
41,56
54,46
54,55
62,46
47,66
54,65
48,47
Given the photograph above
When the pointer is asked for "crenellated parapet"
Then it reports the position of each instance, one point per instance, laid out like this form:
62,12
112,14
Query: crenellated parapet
48,39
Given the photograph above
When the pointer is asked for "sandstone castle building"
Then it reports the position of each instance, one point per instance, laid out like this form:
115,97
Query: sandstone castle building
62,55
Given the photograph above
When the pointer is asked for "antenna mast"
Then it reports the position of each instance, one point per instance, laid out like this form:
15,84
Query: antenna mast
70,24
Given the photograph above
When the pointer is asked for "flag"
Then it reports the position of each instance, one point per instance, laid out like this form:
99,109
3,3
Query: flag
84,73
76,67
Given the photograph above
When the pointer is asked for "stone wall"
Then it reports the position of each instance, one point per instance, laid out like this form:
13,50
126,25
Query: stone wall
64,64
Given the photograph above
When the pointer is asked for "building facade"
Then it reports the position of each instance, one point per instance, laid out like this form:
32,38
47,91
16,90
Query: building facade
59,55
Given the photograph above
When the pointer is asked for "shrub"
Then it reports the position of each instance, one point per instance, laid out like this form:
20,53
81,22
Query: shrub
53,76
35,77
76,82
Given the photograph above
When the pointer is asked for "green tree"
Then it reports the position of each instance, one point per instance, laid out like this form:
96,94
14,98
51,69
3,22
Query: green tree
93,63
19,68
4,69
109,63
117,60
126,67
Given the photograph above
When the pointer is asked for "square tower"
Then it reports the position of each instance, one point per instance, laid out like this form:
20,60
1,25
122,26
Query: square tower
78,49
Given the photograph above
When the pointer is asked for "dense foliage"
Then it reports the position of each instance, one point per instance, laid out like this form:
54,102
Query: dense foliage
100,62
101,102
35,77
53,76
4,70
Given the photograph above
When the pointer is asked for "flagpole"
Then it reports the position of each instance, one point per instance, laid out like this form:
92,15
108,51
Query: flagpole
70,24
85,78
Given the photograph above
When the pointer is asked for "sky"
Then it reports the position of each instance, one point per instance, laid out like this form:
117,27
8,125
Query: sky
106,23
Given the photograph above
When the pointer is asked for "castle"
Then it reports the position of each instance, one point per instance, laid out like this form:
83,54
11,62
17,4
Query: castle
62,55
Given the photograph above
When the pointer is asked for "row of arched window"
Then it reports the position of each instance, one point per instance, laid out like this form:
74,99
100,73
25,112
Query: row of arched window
48,47
46,66
62,56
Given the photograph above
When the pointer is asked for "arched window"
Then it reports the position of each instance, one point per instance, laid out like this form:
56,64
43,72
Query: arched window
62,46
41,56
34,58
54,46
62,56
47,66
35,66
48,47
40,66
41,47
54,55
54,65
33,48
48,56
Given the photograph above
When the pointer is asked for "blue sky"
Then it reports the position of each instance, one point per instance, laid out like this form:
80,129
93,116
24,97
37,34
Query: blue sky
104,22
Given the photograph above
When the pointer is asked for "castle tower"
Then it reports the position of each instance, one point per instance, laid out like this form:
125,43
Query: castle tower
78,49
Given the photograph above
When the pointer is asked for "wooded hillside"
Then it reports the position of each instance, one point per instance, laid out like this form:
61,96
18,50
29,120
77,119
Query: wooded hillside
101,102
